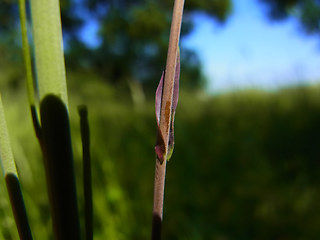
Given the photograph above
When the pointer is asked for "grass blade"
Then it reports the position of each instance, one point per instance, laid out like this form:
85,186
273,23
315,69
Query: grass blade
12,181
6,156
18,207
58,157
54,131
47,37
87,184
26,52
28,67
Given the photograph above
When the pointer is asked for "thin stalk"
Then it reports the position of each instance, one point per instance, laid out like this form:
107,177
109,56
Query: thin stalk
12,181
165,117
28,67
87,185
26,51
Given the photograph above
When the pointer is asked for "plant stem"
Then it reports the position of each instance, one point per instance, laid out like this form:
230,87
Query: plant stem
87,183
26,51
28,66
165,117
159,181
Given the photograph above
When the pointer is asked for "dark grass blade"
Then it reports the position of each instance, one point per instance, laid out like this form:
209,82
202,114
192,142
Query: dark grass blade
18,207
57,151
87,182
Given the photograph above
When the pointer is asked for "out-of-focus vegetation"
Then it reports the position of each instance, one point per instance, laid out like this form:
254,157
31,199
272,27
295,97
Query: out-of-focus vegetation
132,38
307,12
245,165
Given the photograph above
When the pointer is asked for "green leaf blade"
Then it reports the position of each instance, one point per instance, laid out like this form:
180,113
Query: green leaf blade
47,35
6,157
26,52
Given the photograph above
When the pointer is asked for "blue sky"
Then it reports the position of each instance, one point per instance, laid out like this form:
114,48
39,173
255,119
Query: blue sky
251,52
248,51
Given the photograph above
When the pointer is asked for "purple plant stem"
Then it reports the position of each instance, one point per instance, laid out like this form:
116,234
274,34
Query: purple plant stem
165,117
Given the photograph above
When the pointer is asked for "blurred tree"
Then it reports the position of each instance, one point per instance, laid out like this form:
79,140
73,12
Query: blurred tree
306,11
9,46
10,38
134,36
6,15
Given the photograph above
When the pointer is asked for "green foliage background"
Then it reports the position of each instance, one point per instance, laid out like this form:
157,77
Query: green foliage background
245,164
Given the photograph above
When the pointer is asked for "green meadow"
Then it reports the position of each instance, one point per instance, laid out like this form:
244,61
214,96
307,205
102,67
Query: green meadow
245,165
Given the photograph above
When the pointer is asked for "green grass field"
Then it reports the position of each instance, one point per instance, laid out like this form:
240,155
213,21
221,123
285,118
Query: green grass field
246,165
